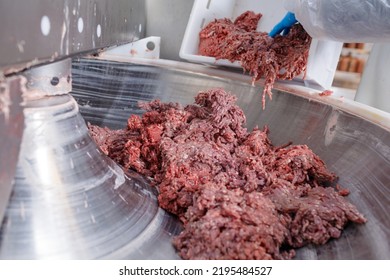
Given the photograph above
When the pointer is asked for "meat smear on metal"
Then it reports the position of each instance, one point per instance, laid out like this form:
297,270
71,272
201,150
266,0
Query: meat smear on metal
282,57
238,196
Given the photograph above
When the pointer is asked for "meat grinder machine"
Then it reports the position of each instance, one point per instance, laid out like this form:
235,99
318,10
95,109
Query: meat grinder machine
65,63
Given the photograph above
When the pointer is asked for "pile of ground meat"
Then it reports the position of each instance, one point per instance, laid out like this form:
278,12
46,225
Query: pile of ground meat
282,57
238,196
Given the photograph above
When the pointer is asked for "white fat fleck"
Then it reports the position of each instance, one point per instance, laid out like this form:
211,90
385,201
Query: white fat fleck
120,176
86,204
97,181
5,102
93,219
20,46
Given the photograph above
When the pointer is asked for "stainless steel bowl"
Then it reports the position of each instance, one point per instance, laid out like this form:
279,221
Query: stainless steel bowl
353,139
76,203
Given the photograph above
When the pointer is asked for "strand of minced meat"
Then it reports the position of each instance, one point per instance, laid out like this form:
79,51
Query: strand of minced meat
282,57
238,196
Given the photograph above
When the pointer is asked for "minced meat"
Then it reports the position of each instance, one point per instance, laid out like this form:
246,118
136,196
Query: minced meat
238,196
282,57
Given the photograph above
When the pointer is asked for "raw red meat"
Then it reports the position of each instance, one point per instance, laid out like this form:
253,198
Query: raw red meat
282,57
238,196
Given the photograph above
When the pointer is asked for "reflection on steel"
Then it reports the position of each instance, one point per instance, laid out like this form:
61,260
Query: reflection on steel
11,131
39,31
356,149
50,79
69,201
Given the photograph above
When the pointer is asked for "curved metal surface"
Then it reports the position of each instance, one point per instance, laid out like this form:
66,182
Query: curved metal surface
46,30
50,79
11,131
356,149
69,201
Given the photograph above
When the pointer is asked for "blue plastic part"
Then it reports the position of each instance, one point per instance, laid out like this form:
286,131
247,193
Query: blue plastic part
284,25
